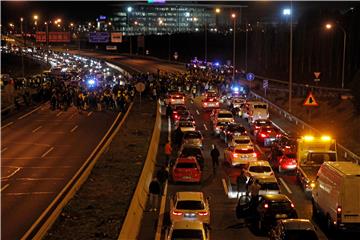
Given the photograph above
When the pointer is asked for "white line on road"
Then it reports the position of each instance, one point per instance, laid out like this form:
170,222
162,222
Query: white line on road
205,127
6,125
74,128
47,152
89,113
4,149
259,148
11,174
225,186
27,114
285,185
4,187
197,111
36,129
59,113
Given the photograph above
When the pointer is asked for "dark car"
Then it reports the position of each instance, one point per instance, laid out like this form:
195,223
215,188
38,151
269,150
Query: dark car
266,210
231,130
293,229
267,135
176,109
257,124
193,151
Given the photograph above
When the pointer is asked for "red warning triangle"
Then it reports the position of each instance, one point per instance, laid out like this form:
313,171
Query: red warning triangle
317,74
310,101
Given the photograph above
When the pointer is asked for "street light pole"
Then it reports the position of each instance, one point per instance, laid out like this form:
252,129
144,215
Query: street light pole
343,60
288,12
234,45
22,53
205,58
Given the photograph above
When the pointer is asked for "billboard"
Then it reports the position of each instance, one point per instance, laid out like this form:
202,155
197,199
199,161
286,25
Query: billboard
53,37
99,37
116,37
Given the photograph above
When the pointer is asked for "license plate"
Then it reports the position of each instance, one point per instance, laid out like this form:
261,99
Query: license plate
190,215
186,177
211,104
280,216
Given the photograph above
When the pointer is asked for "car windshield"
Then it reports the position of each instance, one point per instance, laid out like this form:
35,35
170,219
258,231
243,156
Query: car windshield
249,150
269,186
186,165
186,152
300,235
236,129
188,234
225,115
186,124
242,141
290,155
260,169
190,205
319,158
192,135
221,124
260,106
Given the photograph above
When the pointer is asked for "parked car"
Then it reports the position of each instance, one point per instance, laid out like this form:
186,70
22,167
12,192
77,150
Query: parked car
186,170
293,229
188,230
238,155
193,138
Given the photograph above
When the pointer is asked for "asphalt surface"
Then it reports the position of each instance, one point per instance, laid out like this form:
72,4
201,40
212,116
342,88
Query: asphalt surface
40,151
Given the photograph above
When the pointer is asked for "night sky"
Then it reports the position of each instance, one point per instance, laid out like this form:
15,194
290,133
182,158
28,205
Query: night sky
84,11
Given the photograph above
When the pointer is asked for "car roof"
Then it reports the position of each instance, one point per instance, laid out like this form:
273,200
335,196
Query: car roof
297,224
223,111
242,137
244,146
265,178
275,197
188,225
193,196
259,163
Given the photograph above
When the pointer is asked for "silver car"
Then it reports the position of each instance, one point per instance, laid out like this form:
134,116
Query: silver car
193,138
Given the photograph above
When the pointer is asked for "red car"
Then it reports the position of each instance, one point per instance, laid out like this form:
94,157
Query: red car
186,170
285,159
266,135
210,102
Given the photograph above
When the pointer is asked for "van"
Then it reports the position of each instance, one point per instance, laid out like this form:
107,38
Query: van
336,195
254,110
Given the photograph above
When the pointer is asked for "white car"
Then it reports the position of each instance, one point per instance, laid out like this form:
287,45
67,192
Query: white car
189,206
269,185
259,169
186,126
175,99
188,230
239,155
240,140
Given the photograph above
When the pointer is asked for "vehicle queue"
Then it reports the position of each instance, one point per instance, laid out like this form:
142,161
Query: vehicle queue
265,209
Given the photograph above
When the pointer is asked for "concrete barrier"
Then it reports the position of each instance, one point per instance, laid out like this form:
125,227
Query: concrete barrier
132,223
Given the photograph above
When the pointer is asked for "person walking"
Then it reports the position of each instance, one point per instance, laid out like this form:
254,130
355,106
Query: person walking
215,157
154,191
254,189
162,175
241,183
168,151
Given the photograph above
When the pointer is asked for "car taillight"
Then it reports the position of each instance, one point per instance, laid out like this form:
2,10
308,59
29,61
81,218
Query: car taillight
254,154
177,117
217,103
203,213
262,135
278,135
172,100
292,205
193,122
205,103
176,213
266,205
338,209
235,155
257,127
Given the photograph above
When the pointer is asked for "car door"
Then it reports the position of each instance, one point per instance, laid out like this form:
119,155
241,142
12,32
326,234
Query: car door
243,206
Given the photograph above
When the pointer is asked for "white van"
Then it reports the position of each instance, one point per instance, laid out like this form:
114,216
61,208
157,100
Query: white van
336,195
255,110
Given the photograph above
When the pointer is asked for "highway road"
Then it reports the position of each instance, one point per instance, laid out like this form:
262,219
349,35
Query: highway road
40,152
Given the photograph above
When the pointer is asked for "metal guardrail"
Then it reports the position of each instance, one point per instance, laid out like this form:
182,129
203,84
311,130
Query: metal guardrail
345,153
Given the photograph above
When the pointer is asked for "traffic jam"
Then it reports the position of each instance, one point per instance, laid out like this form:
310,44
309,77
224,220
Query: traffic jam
253,154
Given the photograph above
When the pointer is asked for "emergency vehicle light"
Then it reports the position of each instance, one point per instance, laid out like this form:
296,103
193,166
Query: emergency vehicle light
325,138
308,138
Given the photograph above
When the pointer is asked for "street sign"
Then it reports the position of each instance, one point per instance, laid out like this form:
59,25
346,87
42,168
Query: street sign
99,37
250,76
140,87
317,74
265,83
310,101
116,37
176,55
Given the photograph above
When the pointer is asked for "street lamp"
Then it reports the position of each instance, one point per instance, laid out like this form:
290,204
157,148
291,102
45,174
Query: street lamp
329,26
217,10
233,16
288,12
129,9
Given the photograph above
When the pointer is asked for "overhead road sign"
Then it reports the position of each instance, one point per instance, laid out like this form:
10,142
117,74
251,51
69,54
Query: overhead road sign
317,75
310,101
99,37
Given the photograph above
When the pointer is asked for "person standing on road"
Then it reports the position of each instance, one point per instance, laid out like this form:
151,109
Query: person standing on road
163,175
168,151
241,183
254,189
215,158
155,191
169,111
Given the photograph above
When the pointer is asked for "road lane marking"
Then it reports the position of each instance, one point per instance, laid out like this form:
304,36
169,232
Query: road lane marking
161,213
73,115
74,128
47,152
259,148
27,114
4,149
285,185
205,127
36,129
5,187
225,186
59,113
11,174
6,125
89,114
197,111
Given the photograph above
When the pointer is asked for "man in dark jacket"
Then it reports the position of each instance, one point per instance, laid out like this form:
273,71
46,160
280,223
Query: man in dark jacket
162,175
155,192
215,158
241,183
169,111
